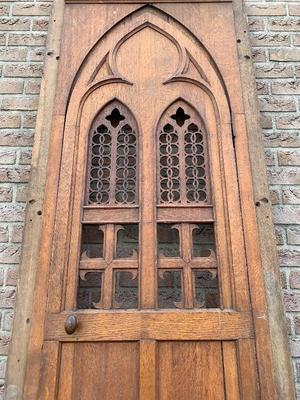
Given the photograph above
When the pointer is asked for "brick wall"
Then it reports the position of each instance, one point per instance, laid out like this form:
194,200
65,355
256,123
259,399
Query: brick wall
275,36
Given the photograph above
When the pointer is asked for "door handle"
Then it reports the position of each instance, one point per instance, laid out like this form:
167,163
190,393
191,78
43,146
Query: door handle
71,324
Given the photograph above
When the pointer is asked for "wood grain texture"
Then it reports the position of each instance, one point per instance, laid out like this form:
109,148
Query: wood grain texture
190,371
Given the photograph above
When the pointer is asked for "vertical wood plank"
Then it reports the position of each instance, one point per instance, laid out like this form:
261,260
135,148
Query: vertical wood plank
186,248
231,376
48,376
148,370
109,245
248,370
65,386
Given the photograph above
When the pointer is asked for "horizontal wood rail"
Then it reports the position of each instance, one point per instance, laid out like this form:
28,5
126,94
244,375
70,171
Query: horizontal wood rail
143,1
121,215
118,325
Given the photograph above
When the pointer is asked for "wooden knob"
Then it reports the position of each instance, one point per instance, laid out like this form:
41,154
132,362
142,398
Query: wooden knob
71,324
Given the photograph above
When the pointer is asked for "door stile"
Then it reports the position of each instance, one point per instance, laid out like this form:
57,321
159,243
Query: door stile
49,367
148,370
65,383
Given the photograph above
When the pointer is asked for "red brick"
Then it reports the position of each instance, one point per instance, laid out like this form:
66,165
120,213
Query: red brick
16,138
266,121
25,157
12,276
11,86
7,156
269,39
7,298
21,194
40,24
14,24
294,9
12,212
3,233
23,70
276,103
281,139
265,9
20,103
293,236
5,193
283,280
9,120
286,214
288,122
31,9
285,55
289,157
26,39
256,24
17,233
284,24
291,195
274,70
291,87
289,258
13,54
15,174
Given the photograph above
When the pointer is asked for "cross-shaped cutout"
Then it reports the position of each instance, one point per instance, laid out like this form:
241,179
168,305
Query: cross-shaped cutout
115,117
108,264
180,116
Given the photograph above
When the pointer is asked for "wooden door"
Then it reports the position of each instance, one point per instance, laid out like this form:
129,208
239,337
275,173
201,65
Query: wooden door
144,283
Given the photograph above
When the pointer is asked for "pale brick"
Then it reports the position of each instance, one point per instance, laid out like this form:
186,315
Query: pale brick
266,9
13,54
7,156
288,122
262,87
10,253
266,121
289,157
15,174
274,70
26,39
12,276
281,139
296,39
32,87
284,24
285,55
283,176
12,212
280,235
290,87
297,71
4,9
256,24
2,38
291,195
36,54
294,9
40,24
25,157
17,233
10,86
29,120
18,137
20,103
4,343
270,157
7,297
6,193
9,120
286,214
3,363
14,24
258,55
31,9
292,303
8,318
283,280
23,70
21,193
289,258
269,39
275,196
276,103
3,233
293,237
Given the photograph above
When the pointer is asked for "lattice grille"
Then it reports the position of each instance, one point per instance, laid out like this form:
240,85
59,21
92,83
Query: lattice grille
183,158
112,169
